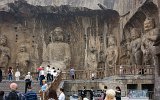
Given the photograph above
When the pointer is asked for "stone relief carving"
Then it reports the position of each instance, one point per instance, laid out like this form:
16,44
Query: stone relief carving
136,52
58,52
92,53
22,60
111,52
148,39
101,56
34,56
4,52
149,24
128,51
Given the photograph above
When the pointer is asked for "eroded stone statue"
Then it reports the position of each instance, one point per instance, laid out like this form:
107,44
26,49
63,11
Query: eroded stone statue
128,51
111,52
148,39
92,54
149,24
136,52
22,60
4,52
92,58
58,52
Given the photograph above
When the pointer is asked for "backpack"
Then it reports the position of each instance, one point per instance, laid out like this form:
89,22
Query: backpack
12,96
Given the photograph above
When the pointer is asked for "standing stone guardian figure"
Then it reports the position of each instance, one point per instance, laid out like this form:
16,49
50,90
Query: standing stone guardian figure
136,52
22,60
111,52
148,39
4,52
92,60
58,52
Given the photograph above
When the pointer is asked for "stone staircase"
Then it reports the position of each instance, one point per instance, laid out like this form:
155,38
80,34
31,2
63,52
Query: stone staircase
4,86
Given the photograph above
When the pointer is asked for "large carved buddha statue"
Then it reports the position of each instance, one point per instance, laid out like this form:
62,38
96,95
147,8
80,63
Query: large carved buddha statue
58,52
4,52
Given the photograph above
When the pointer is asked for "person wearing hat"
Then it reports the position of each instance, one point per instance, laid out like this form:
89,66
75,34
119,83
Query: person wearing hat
28,80
44,86
14,94
43,89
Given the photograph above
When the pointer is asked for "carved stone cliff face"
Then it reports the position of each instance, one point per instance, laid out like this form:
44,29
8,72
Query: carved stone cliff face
31,25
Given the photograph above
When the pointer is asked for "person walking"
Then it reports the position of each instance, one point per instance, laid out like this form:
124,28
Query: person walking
17,75
43,88
104,92
31,95
0,75
72,73
28,81
83,93
55,74
48,69
52,95
41,76
14,94
10,73
52,72
58,71
118,93
61,96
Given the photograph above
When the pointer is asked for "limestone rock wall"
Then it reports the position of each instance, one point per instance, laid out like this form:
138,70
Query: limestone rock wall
87,31
30,27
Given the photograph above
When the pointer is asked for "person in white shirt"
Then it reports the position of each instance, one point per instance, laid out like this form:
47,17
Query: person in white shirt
85,98
28,81
48,69
55,74
58,71
52,72
17,75
61,96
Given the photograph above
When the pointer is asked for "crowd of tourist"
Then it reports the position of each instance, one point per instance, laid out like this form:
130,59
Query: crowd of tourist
106,94
30,94
46,76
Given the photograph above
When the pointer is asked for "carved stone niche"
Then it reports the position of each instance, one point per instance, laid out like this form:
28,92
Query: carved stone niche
58,52
149,24
4,52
